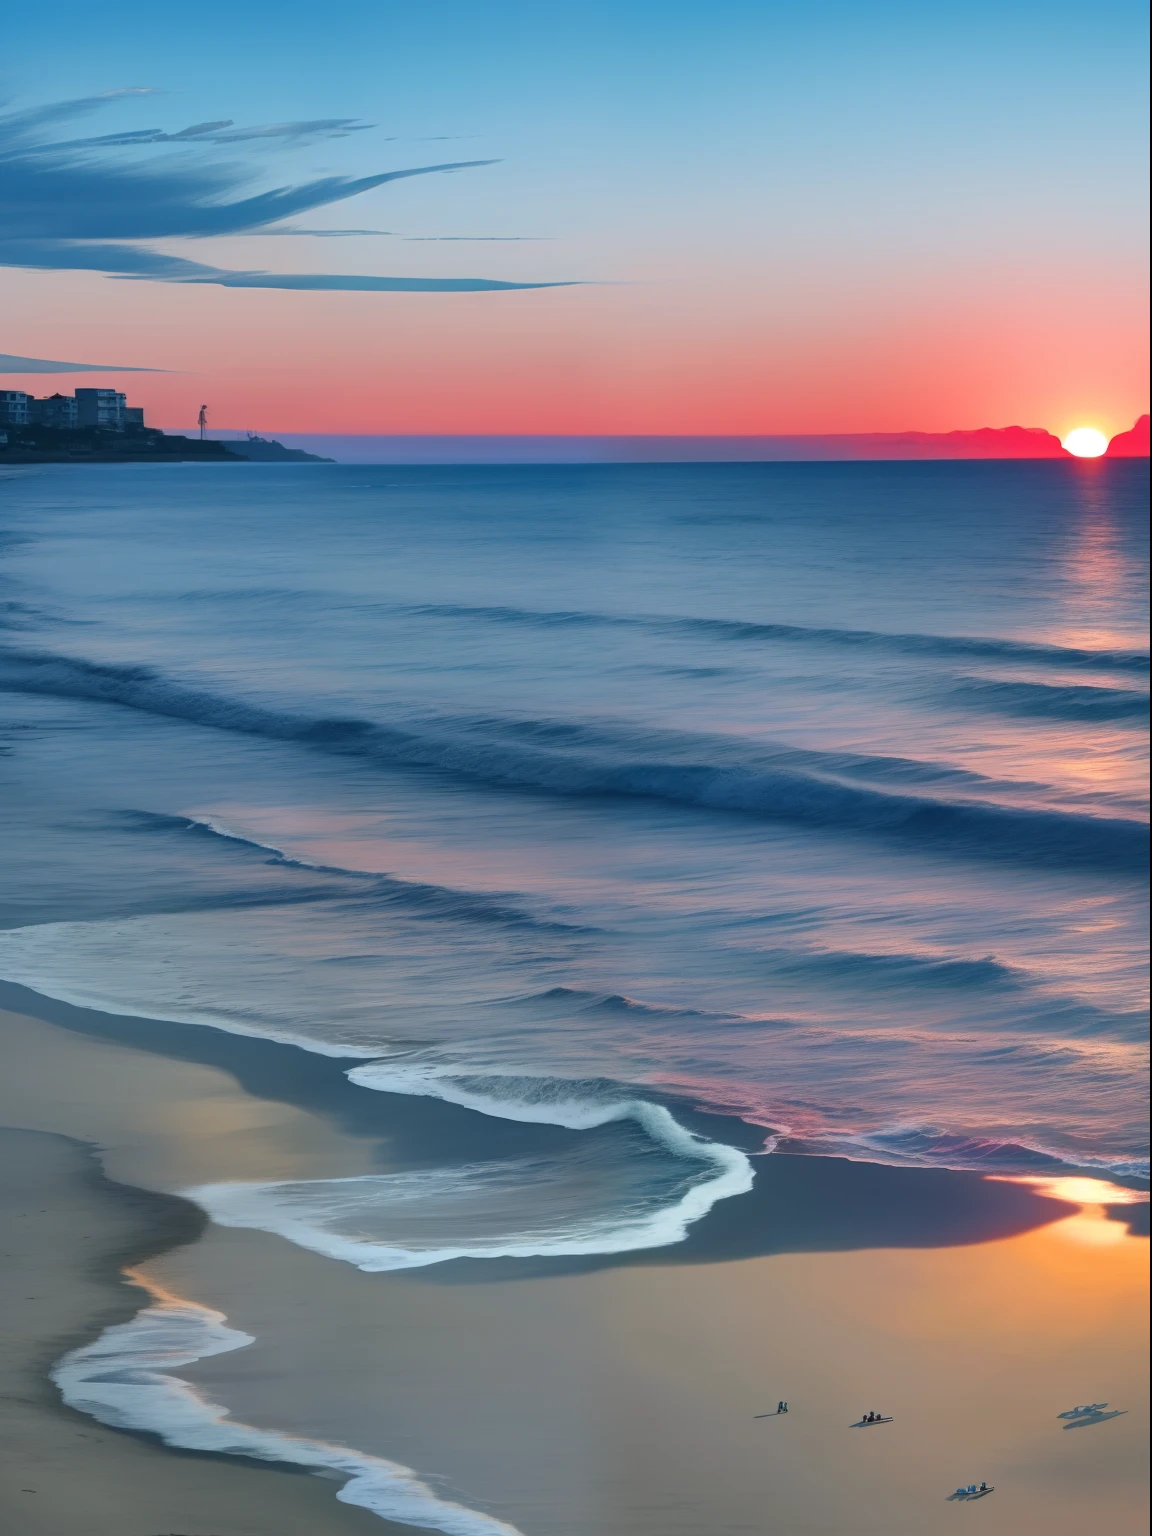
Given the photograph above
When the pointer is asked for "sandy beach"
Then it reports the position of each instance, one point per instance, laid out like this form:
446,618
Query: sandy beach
619,1397
574,770
69,1232
627,1401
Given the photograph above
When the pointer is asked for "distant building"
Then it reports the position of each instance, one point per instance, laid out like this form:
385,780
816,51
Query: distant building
103,408
13,408
53,411
106,410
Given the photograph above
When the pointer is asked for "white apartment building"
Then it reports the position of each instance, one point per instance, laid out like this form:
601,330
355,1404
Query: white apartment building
13,408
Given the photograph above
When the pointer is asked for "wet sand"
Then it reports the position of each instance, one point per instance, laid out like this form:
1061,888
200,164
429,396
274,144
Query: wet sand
619,1397
67,1233
625,1401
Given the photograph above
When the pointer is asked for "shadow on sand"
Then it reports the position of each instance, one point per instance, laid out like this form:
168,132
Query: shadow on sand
798,1204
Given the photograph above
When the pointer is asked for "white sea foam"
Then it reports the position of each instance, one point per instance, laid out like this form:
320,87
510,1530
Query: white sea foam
59,960
83,964
586,1202
124,1379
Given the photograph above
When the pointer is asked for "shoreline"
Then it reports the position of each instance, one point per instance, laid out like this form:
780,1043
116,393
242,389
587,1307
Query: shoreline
154,1224
568,803
72,1233
799,1202
492,1377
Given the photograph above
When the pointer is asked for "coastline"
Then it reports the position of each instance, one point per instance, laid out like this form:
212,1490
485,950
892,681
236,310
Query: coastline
798,1202
147,446
71,1232
480,827
520,1386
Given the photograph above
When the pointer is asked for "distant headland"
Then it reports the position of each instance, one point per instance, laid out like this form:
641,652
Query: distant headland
98,426
986,443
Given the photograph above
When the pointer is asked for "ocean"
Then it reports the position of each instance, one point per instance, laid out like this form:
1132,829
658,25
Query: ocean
639,801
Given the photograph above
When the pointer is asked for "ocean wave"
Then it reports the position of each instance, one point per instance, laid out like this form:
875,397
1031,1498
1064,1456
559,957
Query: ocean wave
560,758
1048,701
528,1057
207,827
580,1000
124,1380
994,648
418,898
943,972
664,1178
17,615
1014,1002
927,1146
242,595
30,957
581,1106
1021,1000
590,1200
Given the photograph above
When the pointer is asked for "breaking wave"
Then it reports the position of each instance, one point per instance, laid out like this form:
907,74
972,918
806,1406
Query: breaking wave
1049,701
641,1186
124,1380
560,758
589,1201
417,898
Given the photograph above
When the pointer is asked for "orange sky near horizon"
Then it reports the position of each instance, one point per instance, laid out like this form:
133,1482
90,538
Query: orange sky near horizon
667,357
759,218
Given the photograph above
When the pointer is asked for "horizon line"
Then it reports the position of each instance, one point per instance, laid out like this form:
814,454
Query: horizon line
1013,443
658,436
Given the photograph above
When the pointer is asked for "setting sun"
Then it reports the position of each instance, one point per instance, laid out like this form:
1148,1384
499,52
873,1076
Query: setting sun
1086,442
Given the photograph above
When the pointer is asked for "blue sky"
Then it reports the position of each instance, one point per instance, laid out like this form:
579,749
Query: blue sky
795,159
606,113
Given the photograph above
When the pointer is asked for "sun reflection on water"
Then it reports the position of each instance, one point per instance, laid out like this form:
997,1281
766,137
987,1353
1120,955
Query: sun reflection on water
1091,1224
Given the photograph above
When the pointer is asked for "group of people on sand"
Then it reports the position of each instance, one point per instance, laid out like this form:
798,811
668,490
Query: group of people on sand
971,1492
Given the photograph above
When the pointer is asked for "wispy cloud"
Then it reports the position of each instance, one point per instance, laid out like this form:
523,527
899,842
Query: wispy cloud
138,261
395,234
474,239
70,205
24,125
10,363
323,234
222,132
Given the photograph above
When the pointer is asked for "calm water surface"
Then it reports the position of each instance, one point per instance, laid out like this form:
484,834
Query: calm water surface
812,794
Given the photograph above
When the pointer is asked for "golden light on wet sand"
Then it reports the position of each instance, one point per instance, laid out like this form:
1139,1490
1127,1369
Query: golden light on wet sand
1085,442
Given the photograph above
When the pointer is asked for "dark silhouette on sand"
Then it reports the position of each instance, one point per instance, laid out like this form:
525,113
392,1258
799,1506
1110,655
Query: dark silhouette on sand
798,1204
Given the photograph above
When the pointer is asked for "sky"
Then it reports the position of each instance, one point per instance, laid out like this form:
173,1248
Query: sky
639,218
